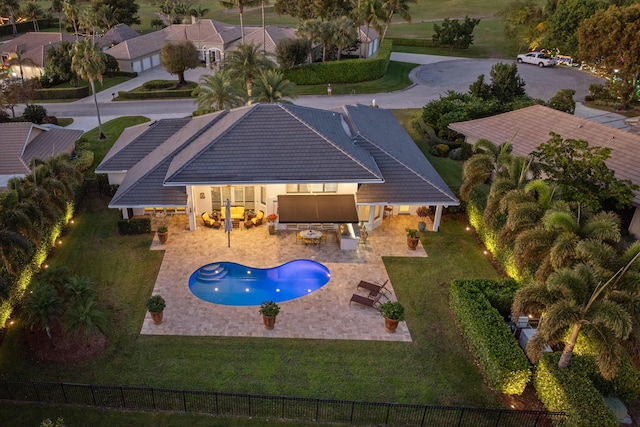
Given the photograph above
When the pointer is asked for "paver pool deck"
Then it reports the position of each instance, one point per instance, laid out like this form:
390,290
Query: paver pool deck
323,314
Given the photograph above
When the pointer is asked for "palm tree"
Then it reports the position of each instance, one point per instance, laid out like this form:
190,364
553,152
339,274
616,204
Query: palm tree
484,166
392,7
372,13
89,62
219,91
71,12
197,13
42,305
583,300
33,11
79,289
56,6
11,8
85,317
246,62
12,244
344,34
240,4
271,86
311,30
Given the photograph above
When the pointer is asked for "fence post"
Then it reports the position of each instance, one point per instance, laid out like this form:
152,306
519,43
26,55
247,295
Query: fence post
282,400
499,416
217,406
36,390
184,400
124,403
461,415
317,409
64,393
386,420
424,416
93,395
153,397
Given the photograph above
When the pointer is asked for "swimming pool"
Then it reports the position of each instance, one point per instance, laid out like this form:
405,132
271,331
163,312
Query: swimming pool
228,283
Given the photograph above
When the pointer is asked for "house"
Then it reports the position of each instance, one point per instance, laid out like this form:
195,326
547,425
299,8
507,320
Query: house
118,34
348,165
21,142
529,127
32,49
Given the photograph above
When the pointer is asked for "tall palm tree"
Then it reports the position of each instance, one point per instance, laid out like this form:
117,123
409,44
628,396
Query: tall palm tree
392,7
484,166
89,62
71,13
311,30
344,33
33,11
372,14
42,305
197,13
240,4
219,91
271,86
246,62
582,300
56,6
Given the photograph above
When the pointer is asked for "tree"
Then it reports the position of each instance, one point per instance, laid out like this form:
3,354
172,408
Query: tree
562,25
392,7
56,6
71,13
246,62
33,11
179,57
584,300
124,11
240,4
506,84
271,86
485,165
12,95
371,14
581,173
218,92
344,34
300,9
292,52
89,63
563,101
157,24
42,305
454,34
11,8
523,20
609,41
57,64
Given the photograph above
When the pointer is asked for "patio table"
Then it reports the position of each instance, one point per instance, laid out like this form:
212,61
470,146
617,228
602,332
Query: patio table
313,235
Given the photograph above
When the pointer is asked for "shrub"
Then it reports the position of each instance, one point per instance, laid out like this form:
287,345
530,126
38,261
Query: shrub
61,93
563,101
570,390
134,226
440,150
490,340
35,113
292,52
158,84
83,160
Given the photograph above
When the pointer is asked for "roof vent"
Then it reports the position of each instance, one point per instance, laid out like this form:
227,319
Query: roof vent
579,126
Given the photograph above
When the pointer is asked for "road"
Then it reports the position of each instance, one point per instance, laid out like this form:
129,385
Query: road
433,77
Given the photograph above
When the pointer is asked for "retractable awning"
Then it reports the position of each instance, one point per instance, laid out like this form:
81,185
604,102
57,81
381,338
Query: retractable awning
333,208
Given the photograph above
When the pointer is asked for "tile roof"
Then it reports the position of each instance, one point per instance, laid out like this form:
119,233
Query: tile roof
144,44
20,142
529,127
136,142
119,33
271,37
34,46
409,178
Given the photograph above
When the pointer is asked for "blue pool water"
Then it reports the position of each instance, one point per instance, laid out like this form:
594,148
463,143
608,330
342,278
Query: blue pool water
228,283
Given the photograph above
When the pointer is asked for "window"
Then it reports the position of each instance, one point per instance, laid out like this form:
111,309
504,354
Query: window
263,195
238,196
312,188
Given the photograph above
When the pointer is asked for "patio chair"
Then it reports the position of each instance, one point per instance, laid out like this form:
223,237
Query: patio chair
208,221
369,302
372,287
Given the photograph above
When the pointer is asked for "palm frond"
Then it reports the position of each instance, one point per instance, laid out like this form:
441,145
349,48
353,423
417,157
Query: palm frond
607,350
608,314
603,226
560,220
563,251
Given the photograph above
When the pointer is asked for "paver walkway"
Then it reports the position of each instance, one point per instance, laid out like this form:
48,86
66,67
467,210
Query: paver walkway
323,314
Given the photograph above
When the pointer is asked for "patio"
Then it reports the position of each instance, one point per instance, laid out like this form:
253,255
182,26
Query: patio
324,314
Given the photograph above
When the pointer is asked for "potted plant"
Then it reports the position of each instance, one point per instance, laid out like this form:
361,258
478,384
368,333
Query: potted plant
422,212
269,311
163,234
393,313
412,238
155,305
271,219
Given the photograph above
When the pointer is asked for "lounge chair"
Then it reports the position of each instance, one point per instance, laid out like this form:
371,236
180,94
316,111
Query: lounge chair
257,220
369,302
208,221
372,287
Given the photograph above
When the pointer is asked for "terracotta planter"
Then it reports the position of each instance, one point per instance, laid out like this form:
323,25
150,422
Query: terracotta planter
422,226
390,325
269,322
413,243
163,237
156,316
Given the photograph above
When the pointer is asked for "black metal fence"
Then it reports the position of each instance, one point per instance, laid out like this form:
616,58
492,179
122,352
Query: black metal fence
291,408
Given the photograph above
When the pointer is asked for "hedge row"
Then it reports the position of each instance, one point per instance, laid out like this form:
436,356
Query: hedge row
62,93
84,160
571,391
134,226
490,340
401,41
156,94
346,71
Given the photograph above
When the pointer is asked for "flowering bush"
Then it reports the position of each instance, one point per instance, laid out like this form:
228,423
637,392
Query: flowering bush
422,211
272,217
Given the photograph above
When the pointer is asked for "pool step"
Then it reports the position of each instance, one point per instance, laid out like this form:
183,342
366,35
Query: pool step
211,276
210,268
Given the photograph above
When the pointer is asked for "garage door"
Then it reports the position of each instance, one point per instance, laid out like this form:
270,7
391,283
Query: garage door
137,66
146,63
155,60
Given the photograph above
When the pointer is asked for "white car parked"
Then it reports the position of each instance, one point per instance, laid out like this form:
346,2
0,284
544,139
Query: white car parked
536,58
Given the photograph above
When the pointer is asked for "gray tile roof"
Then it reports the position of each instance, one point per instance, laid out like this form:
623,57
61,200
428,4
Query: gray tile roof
119,33
274,143
138,141
409,178
529,127
272,35
22,141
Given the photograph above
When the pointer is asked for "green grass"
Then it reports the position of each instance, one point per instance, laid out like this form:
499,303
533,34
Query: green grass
106,83
396,78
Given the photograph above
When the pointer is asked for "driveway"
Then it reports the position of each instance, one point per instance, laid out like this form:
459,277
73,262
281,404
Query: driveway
433,77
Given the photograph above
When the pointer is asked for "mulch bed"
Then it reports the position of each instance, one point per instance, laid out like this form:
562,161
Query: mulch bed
64,347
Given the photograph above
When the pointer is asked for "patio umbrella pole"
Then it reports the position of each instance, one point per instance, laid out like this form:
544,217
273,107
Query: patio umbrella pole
227,221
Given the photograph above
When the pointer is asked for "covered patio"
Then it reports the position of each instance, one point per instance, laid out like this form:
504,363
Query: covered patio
324,314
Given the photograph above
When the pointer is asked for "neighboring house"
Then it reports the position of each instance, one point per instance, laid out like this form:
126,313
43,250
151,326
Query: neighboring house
369,42
529,127
118,34
270,156
32,48
21,142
